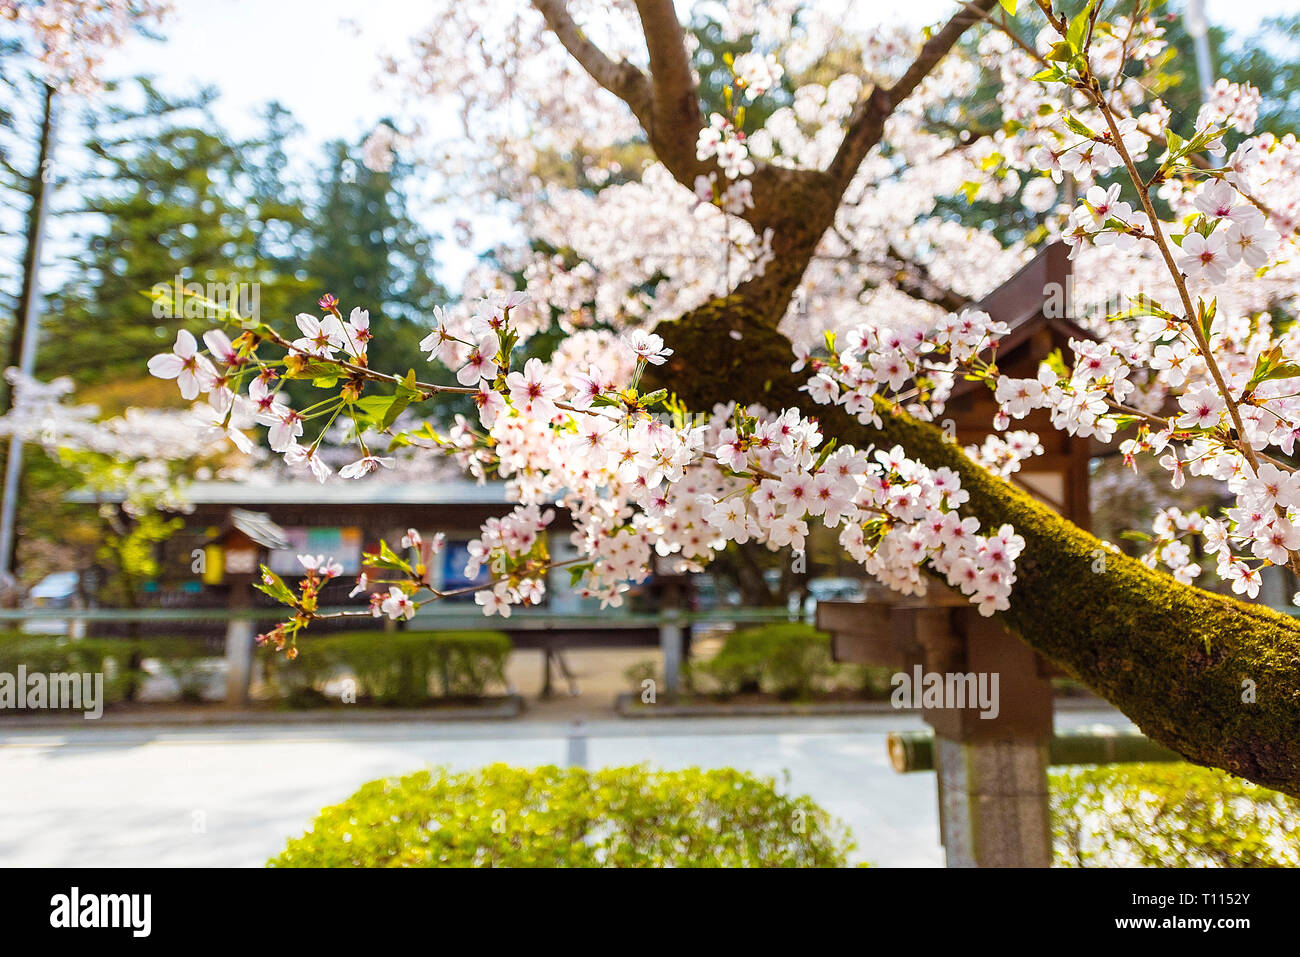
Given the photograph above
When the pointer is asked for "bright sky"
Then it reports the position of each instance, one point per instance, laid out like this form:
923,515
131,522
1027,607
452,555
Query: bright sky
309,55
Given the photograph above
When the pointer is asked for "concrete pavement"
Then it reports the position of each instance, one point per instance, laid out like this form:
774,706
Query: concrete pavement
231,795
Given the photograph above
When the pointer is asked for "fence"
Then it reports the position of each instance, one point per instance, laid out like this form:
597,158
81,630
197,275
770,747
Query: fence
545,631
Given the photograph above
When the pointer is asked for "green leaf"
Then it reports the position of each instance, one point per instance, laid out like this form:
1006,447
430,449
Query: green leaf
395,408
1143,305
1174,144
374,406
1060,51
384,409
1283,370
408,385
1074,126
386,558
1205,315
314,370
1077,32
273,585
825,453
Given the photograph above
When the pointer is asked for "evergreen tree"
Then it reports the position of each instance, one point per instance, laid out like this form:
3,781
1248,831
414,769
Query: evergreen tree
171,204
367,251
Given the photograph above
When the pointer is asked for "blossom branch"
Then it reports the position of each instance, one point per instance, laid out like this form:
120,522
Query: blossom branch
623,79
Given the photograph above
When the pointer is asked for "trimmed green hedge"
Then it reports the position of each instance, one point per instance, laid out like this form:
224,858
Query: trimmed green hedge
500,816
1169,815
787,659
402,668
52,653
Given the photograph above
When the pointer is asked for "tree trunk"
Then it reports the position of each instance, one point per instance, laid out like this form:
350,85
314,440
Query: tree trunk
1215,679
37,185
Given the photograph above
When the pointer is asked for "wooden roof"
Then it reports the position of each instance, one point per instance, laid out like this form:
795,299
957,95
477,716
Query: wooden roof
1019,302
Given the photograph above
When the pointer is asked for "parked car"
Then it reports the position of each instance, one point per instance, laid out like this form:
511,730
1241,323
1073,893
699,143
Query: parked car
56,590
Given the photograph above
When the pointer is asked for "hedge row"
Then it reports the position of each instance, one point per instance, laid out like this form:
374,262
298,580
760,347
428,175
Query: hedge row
402,668
1148,815
789,659
1169,815
501,816
398,668
117,658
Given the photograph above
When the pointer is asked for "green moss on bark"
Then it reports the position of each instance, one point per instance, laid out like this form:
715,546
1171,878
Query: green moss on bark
1174,658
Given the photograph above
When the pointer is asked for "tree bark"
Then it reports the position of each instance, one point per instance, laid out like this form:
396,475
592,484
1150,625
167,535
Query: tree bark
797,205
1178,660
1181,662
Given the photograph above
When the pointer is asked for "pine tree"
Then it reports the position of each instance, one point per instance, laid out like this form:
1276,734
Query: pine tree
369,252
172,203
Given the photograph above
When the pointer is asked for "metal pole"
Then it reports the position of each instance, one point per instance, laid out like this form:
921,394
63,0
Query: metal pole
1198,27
31,320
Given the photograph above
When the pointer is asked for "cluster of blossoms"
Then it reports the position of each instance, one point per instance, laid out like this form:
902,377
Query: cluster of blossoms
756,73
642,481
223,371
753,74
72,35
380,148
698,237
1230,104
1223,230
1206,391
1193,433
514,548
1002,454
912,364
724,141
1261,526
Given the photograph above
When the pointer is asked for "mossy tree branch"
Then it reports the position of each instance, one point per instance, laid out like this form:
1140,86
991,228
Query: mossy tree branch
1172,657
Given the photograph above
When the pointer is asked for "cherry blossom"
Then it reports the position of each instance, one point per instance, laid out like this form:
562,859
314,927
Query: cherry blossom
192,372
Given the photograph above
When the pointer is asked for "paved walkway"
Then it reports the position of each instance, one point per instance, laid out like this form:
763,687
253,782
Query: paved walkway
231,795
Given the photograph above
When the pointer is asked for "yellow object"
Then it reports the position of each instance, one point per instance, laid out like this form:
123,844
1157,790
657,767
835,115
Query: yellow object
214,565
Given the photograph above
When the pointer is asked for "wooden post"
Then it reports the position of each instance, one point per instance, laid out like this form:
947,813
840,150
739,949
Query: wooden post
239,648
546,672
992,771
670,640
244,545
993,802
